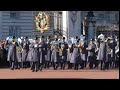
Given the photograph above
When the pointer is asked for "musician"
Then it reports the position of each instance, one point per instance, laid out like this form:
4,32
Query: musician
12,53
114,44
35,56
69,53
108,54
30,53
41,53
25,52
55,53
48,52
82,54
64,47
75,58
19,55
97,44
117,55
91,53
3,52
102,53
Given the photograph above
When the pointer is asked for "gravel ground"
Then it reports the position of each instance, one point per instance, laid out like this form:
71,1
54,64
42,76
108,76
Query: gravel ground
66,74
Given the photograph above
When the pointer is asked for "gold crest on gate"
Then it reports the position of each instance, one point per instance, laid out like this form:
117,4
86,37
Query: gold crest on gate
42,22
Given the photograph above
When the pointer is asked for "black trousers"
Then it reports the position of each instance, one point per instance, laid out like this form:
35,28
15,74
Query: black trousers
76,66
31,63
96,63
24,64
116,64
55,66
82,64
47,64
35,66
62,64
91,61
12,64
69,66
104,65
18,65
41,65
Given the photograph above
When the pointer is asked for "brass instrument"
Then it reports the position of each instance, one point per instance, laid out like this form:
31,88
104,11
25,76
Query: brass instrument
13,42
60,51
19,49
109,50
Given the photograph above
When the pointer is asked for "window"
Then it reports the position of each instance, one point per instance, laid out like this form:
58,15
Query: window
14,31
14,14
116,17
101,16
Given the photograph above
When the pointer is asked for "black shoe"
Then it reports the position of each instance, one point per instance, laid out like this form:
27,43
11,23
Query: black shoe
40,69
55,68
12,68
36,70
33,70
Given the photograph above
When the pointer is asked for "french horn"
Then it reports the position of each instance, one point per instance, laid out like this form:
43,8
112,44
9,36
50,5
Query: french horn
109,50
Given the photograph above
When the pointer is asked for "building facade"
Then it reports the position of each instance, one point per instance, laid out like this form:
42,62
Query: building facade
17,23
66,23
107,22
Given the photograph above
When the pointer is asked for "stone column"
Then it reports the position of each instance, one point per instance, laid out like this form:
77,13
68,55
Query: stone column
65,23
71,23
74,23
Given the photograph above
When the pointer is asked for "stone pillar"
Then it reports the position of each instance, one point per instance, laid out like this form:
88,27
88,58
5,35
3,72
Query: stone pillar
65,24
55,21
71,23
74,23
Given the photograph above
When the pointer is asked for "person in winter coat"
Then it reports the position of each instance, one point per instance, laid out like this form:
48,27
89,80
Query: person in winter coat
12,58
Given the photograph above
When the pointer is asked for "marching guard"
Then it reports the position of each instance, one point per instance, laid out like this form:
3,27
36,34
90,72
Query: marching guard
25,52
102,53
82,54
41,53
69,53
64,47
91,53
75,58
19,54
30,54
117,54
55,53
35,56
48,53
12,53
